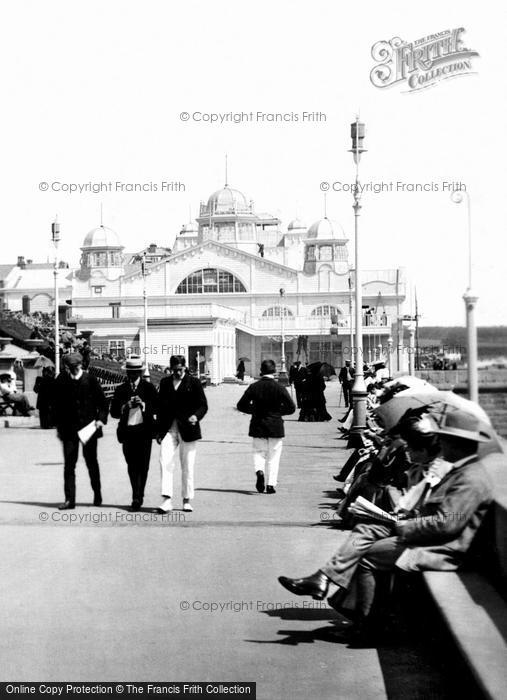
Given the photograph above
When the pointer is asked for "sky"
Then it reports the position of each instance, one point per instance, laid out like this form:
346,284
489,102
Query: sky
94,92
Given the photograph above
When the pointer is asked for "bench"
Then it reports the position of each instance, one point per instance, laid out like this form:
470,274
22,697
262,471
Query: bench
5,405
470,602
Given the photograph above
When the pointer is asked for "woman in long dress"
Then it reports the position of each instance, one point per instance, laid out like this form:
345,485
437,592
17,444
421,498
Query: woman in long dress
313,402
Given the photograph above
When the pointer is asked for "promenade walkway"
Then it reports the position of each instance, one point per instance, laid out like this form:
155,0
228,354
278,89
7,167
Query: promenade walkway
191,596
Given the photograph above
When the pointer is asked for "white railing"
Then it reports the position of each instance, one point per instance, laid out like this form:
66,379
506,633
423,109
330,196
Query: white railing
373,323
167,311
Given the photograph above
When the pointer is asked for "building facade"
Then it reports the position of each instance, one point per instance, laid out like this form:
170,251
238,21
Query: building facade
233,283
28,287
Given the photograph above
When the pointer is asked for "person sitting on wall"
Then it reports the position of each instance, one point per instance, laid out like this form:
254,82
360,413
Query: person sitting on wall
9,391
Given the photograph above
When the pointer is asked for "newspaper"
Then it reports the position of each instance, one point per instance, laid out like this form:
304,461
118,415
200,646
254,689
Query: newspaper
366,509
85,433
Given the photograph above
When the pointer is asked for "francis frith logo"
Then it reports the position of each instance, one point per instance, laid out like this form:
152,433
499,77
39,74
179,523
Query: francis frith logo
422,63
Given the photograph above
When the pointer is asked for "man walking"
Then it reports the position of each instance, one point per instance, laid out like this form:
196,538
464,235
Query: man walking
297,375
346,379
79,402
135,404
182,404
266,401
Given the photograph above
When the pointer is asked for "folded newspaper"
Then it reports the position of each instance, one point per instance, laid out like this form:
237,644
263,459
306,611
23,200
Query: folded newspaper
366,509
85,433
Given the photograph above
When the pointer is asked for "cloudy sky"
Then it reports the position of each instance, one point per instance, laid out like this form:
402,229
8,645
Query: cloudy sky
93,92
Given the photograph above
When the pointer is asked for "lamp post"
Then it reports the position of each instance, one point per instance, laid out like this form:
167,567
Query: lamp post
411,348
470,299
357,132
351,325
146,372
282,374
55,235
390,357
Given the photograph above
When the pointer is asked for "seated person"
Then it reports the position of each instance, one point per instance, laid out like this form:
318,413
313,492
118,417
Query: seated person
435,535
9,391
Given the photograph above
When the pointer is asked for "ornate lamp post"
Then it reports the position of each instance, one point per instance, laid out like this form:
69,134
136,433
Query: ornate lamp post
411,348
282,374
55,236
390,357
146,372
470,299
351,325
357,131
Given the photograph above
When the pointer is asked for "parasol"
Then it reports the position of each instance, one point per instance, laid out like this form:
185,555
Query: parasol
43,361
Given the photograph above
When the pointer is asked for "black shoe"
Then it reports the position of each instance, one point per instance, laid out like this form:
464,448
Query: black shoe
68,505
97,501
135,507
315,585
259,484
270,489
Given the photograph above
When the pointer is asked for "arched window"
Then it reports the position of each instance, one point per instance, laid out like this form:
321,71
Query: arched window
326,310
210,281
275,312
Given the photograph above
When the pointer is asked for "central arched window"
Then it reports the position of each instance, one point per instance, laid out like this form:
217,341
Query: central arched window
326,310
210,281
275,312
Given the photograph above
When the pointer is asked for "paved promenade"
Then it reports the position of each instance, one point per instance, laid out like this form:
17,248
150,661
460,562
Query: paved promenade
115,596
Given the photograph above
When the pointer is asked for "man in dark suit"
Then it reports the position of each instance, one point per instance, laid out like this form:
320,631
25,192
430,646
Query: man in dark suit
79,401
434,537
135,404
297,375
182,404
346,379
266,401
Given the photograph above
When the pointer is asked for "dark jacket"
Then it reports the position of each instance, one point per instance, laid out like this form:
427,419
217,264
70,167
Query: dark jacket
297,375
440,536
119,408
346,375
188,400
78,403
266,401
45,389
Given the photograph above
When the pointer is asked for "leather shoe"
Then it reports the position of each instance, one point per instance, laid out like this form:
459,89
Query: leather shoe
97,501
315,585
259,484
135,507
68,505
270,489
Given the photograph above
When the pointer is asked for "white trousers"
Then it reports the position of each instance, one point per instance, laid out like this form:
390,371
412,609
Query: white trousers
266,457
168,451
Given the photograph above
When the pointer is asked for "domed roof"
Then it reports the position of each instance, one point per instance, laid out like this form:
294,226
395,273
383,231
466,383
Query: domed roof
102,237
296,225
189,229
325,228
228,200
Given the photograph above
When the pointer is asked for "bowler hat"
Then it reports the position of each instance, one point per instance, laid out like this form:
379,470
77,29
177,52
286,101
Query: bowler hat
462,425
134,362
73,359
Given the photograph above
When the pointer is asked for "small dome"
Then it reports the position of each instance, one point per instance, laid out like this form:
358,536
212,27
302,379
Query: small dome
296,225
228,201
325,228
102,237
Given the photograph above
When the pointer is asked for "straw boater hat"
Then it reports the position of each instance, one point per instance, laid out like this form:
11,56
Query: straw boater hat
462,425
134,362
